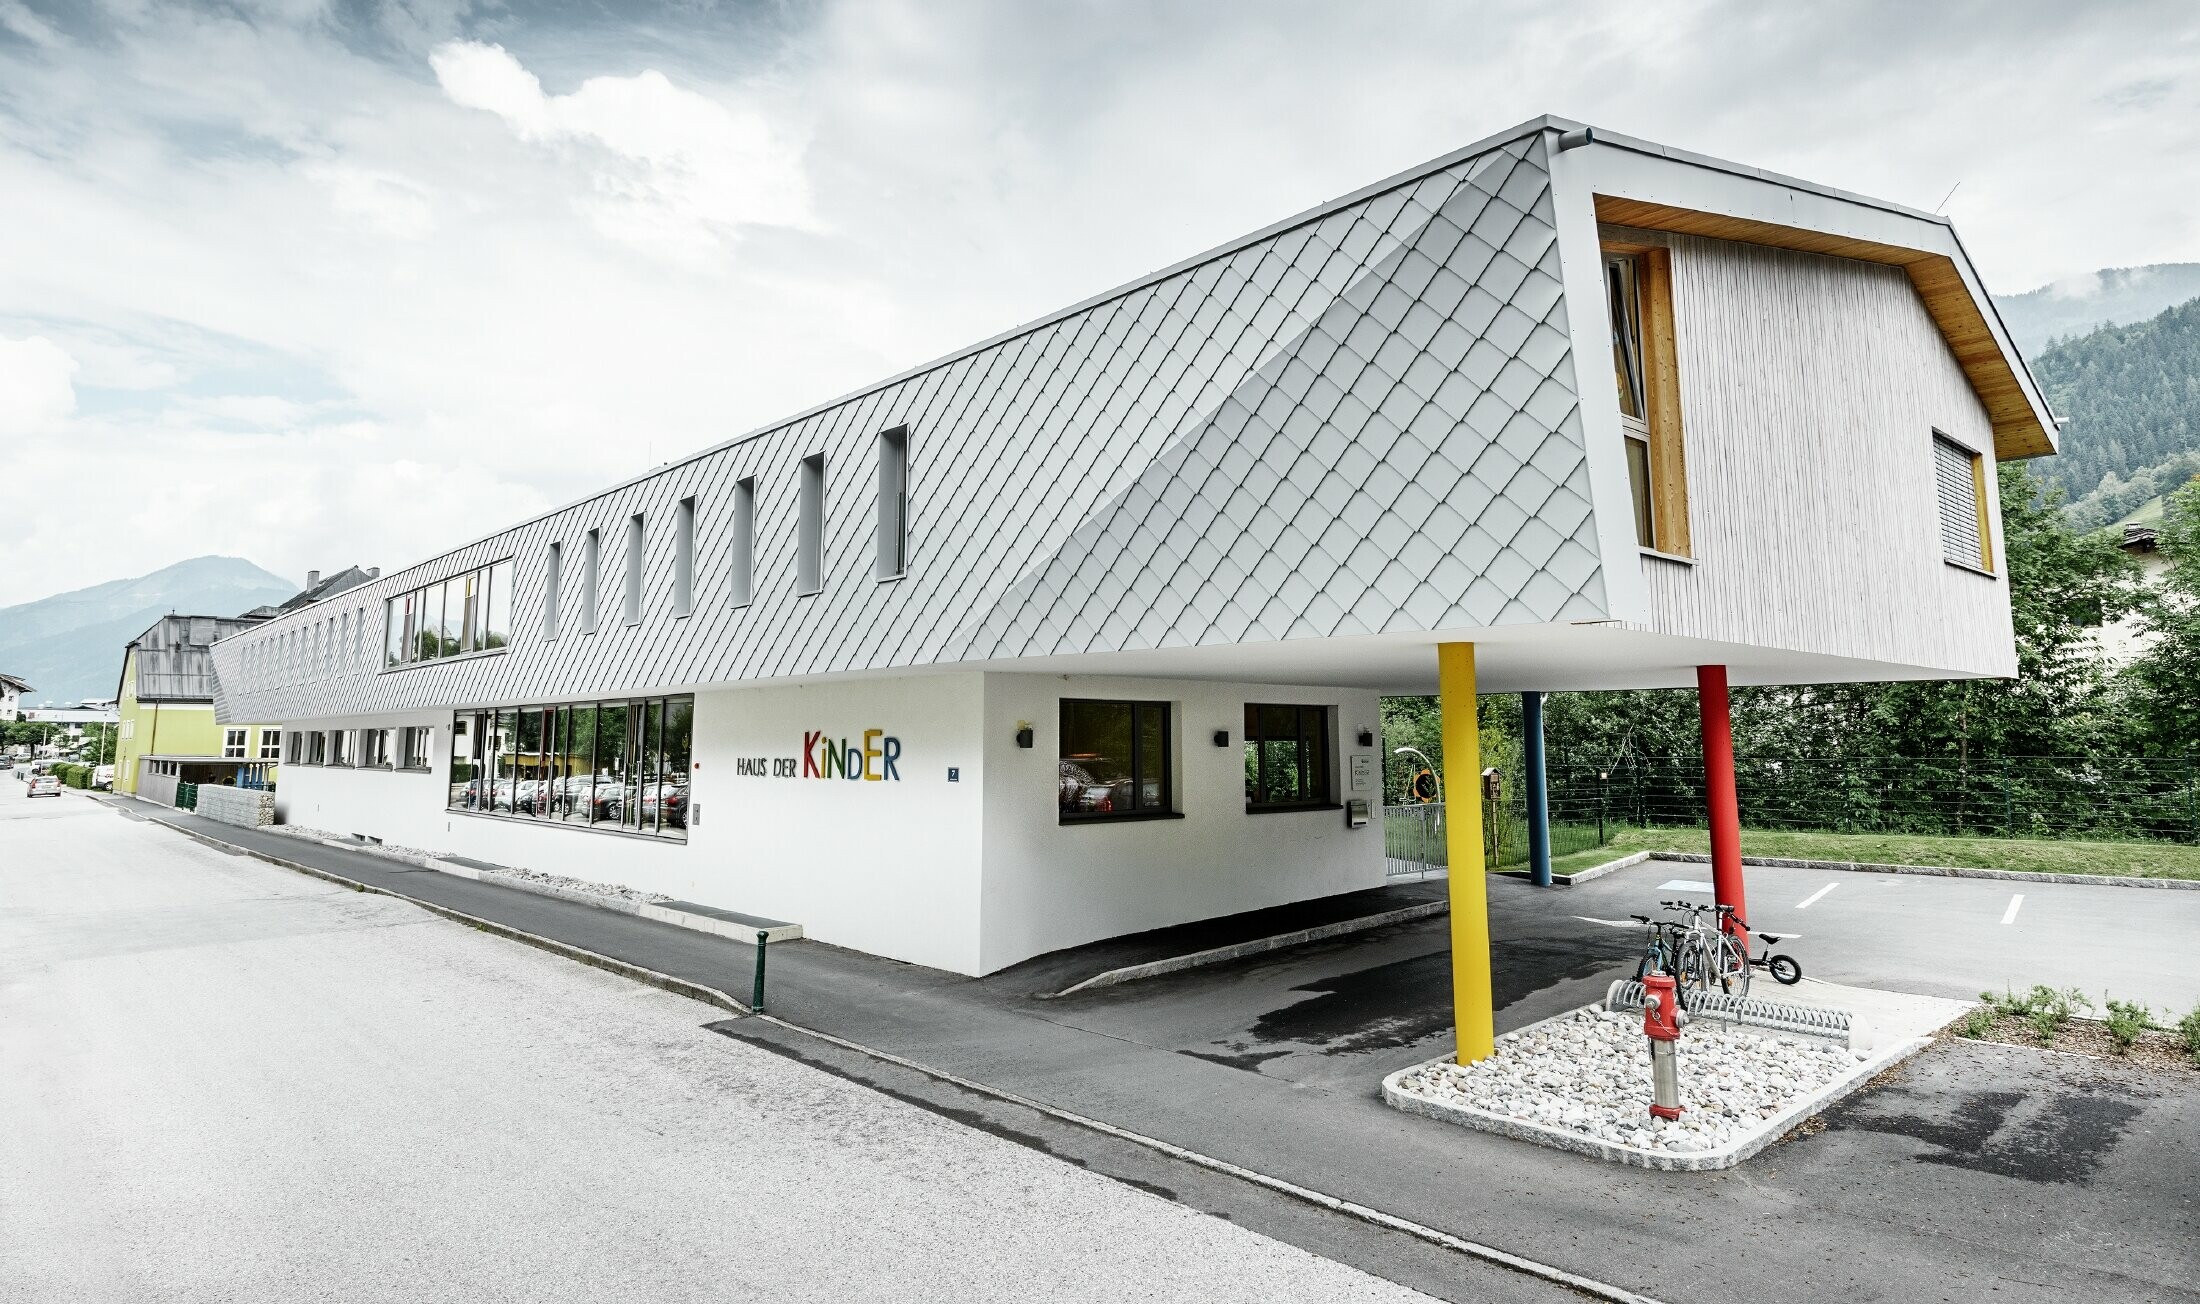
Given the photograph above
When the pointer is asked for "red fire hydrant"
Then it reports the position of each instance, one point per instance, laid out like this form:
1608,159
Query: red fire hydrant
1662,1017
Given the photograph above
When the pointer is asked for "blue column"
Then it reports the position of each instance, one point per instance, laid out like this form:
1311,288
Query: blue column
1539,789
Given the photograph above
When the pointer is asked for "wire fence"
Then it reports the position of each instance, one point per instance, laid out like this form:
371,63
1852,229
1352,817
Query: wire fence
2056,797
2087,798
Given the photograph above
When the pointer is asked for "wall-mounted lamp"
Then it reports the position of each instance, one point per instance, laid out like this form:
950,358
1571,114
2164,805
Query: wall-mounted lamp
1222,738
1023,733
1367,737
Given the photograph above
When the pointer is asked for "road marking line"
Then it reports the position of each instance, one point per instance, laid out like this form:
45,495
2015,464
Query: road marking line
2009,916
1804,904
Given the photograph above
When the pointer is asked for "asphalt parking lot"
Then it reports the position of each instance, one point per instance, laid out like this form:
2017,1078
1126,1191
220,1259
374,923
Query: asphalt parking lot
1340,1012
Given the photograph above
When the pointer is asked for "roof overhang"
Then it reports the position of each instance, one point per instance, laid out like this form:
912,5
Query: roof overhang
1653,187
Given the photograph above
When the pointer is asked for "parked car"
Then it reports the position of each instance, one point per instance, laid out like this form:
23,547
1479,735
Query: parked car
103,777
45,785
667,802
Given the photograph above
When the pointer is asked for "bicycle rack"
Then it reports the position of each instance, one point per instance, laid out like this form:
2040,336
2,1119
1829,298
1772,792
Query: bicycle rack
1625,996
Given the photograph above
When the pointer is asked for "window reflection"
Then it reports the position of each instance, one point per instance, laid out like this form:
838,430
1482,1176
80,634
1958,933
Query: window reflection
1115,759
616,765
469,612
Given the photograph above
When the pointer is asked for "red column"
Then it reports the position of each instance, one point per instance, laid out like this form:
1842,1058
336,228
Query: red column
1721,809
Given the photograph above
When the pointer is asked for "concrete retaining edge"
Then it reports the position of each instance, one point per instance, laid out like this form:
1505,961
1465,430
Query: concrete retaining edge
1941,871
1726,1156
1238,950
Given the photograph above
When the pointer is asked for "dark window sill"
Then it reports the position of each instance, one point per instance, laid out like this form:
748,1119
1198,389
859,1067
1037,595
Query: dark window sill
1251,809
444,661
537,822
1127,817
415,769
1966,566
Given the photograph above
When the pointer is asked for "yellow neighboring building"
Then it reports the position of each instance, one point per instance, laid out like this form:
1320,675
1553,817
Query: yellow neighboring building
165,705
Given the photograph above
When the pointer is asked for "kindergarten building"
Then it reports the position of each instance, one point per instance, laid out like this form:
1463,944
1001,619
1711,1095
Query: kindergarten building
1080,631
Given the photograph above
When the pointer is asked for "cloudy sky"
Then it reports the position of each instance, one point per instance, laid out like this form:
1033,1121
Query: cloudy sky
321,284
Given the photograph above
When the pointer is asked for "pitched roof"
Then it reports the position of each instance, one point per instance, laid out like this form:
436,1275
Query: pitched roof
173,661
350,577
18,685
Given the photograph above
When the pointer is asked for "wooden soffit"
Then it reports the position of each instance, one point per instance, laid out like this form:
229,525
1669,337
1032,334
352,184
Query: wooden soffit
2017,429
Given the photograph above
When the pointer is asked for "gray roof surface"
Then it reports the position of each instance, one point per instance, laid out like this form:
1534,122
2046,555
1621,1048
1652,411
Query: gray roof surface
173,661
1365,421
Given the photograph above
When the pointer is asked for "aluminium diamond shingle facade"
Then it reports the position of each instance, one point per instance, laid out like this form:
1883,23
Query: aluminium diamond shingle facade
1363,422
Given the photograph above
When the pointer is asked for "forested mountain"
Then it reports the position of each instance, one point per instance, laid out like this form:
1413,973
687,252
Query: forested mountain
69,646
2113,296
2132,396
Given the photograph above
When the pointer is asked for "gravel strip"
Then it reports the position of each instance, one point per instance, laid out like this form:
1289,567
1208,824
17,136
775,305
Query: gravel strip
417,856
1589,1073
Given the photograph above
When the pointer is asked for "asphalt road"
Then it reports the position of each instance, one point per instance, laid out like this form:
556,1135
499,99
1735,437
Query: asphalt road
1974,1172
224,1080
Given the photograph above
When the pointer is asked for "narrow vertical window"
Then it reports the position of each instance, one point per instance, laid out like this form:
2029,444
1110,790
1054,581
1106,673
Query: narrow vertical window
550,590
635,542
591,557
683,558
743,561
809,561
893,503
1638,285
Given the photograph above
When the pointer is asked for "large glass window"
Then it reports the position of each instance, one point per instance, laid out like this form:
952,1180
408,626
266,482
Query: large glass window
1115,759
613,765
469,612
1286,756
1639,311
412,747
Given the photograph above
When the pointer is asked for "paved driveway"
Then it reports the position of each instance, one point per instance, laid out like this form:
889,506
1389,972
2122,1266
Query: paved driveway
226,1081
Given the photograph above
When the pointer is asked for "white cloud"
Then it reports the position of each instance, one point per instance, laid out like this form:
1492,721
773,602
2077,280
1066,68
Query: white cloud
36,392
340,303
381,202
672,170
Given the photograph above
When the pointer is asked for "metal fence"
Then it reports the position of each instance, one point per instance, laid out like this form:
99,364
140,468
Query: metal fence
1413,836
2051,797
2079,797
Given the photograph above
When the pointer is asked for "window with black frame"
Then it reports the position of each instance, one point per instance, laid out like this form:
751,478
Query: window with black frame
1114,760
616,766
1286,757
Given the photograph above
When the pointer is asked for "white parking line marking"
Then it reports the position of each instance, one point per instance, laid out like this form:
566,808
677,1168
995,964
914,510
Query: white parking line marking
2009,916
1804,904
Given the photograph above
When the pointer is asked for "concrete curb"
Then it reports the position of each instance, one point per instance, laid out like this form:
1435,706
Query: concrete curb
1237,950
624,969
1589,1286
1941,871
1727,1156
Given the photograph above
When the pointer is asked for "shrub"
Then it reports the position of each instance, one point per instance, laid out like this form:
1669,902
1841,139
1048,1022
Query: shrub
1978,1022
2126,1020
2189,1028
2048,1010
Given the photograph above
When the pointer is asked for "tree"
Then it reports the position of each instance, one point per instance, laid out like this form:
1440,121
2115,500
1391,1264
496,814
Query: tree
2165,682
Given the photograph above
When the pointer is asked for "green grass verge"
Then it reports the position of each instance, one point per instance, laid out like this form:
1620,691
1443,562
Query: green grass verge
2126,859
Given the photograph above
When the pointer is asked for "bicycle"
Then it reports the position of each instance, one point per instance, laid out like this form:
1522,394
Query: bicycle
1710,954
1661,953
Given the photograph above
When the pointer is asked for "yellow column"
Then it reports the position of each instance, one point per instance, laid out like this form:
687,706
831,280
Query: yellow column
1472,1005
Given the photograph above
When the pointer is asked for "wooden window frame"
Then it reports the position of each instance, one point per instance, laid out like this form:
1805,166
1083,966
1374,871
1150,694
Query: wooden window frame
1661,432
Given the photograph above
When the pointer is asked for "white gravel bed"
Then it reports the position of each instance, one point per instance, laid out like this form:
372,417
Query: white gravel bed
418,856
1589,1073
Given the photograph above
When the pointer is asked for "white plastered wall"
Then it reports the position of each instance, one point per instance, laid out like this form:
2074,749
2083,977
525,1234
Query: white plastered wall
885,867
1049,885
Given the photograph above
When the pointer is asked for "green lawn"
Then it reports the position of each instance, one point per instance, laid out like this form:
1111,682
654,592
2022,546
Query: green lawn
2132,859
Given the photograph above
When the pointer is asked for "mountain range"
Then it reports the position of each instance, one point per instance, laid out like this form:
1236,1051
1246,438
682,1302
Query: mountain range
2122,365
69,646
2080,305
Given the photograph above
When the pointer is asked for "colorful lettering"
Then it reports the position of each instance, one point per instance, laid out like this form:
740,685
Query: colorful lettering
851,766
871,754
809,759
891,752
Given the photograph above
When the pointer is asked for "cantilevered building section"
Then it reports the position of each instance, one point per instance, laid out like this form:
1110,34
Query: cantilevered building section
1080,631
